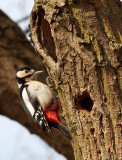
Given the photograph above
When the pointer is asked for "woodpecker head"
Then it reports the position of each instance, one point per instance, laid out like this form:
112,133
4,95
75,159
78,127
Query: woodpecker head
25,74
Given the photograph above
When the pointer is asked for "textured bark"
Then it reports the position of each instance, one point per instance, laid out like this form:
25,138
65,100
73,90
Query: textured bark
80,43
16,51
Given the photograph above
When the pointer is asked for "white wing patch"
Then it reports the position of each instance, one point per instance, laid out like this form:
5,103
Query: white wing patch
39,117
27,102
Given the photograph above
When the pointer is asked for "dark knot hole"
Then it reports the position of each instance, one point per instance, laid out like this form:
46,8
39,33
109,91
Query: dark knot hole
84,101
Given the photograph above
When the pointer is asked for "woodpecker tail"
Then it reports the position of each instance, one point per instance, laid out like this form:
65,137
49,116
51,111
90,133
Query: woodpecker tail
62,128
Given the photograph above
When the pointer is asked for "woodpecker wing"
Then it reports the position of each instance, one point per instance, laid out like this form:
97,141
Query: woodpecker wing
39,117
25,100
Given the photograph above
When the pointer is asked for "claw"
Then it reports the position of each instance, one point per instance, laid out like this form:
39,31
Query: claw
48,82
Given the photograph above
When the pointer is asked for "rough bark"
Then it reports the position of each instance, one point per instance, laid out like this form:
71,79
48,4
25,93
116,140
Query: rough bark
80,43
16,51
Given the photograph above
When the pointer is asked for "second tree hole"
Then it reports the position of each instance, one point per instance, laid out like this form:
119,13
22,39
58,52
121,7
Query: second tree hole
84,101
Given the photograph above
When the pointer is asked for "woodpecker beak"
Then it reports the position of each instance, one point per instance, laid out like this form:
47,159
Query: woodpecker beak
35,74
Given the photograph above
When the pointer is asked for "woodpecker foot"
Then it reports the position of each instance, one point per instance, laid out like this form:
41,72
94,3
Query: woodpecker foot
49,83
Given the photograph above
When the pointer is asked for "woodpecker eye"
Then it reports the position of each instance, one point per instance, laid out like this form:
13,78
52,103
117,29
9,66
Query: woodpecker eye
26,71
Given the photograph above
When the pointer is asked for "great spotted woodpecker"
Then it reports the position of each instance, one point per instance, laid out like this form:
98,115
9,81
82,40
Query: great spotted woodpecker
39,101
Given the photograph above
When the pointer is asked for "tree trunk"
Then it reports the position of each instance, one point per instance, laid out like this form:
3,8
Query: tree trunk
80,43
16,51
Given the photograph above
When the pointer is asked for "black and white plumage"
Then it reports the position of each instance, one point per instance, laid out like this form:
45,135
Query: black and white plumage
29,93
39,101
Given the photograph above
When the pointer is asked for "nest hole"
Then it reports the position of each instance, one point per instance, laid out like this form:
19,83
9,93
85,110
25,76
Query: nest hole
84,102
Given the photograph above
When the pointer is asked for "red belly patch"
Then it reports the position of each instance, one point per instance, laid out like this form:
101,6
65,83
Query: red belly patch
52,116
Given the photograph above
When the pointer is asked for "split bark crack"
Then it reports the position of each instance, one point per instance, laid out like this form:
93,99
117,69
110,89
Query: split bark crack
37,41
